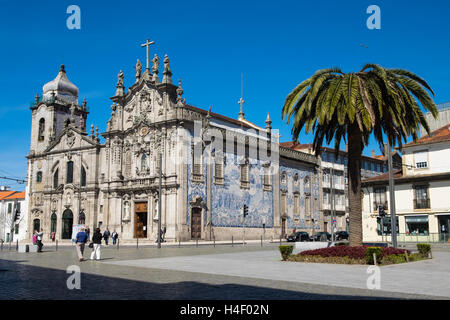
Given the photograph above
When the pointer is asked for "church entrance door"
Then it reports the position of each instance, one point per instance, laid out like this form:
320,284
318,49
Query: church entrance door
140,220
67,223
196,223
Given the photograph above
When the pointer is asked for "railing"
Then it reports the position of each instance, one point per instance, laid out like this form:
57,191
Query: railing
421,203
419,238
376,205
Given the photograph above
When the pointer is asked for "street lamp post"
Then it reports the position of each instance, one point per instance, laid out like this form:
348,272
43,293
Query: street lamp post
392,197
159,200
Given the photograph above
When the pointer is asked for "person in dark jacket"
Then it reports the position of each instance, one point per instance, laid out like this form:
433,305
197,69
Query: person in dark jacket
97,241
106,235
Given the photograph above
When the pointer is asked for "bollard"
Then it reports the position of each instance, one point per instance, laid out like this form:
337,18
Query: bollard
261,241
232,243
9,245
196,242
137,243
280,239
1,245
374,259
406,255
214,242
118,244
56,244
179,243
17,245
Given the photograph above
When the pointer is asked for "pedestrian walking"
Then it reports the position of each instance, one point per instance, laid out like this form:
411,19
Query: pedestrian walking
106,235
80,241
97,241
39,237
114,237
88,233
35,238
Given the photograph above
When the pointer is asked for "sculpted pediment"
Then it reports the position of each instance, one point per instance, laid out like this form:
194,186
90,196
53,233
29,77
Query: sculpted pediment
71,138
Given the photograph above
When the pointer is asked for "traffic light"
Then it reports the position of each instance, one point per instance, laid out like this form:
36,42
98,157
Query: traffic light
245,210
381,211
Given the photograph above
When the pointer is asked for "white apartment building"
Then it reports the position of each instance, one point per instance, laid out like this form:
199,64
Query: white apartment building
13,217
422,193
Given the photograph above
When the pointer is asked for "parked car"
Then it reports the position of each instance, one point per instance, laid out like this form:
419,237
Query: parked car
298,236
321,236
341,235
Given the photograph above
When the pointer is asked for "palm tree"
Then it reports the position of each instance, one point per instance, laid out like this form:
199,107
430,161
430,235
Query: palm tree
351,106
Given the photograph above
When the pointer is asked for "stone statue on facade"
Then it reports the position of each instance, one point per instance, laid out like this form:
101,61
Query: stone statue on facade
155,68
138,68
120,85
167,74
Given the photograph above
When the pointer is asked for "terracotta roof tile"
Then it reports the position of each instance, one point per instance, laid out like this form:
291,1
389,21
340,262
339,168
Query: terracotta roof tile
439,135
6,193
299,147
15,195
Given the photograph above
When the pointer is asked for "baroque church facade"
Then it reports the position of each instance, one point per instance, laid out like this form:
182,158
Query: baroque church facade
211,166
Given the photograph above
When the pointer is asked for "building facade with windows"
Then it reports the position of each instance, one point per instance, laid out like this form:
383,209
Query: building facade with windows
13,215
75,177
422,189
334,182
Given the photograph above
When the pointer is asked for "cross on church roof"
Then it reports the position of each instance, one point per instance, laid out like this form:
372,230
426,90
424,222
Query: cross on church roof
241,113
147,44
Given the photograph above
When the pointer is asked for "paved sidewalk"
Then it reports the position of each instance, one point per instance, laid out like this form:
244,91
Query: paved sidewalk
430,277
200,273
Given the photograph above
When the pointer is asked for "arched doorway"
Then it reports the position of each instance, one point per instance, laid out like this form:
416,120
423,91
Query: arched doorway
36,225
53,221
67,222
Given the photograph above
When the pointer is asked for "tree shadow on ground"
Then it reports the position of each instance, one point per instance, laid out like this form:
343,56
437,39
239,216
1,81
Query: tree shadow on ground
19,281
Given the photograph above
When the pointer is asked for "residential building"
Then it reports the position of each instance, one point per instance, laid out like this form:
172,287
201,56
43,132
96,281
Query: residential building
334,181
13,217
422,189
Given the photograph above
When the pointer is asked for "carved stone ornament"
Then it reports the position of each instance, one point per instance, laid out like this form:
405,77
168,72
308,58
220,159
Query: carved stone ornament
70,140
197,202
143,131
36,213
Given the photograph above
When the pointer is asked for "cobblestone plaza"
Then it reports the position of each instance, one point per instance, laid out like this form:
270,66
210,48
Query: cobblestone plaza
223,272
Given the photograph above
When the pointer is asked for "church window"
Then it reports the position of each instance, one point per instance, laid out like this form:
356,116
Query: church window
41,129
307,206
266,180
296,204
283,203
55,179
197,165
218,171
307,184
283,178
69,177
83,176
39,177
245,175
144,162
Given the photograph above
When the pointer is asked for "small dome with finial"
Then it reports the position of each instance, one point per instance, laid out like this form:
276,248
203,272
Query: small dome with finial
61,88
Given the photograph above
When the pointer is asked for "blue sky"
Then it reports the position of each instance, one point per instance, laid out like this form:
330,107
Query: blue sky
275,44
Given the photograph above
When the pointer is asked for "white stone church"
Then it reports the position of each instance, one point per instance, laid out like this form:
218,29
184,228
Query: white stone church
111,179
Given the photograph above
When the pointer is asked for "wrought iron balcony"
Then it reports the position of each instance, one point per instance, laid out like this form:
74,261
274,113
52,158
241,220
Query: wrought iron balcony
421,203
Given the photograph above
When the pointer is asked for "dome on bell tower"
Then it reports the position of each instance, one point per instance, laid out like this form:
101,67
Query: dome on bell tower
61,88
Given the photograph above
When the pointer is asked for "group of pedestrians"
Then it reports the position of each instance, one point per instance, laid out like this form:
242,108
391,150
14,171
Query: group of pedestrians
82,238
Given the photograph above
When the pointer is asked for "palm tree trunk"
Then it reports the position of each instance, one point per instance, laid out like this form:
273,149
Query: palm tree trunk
355,147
